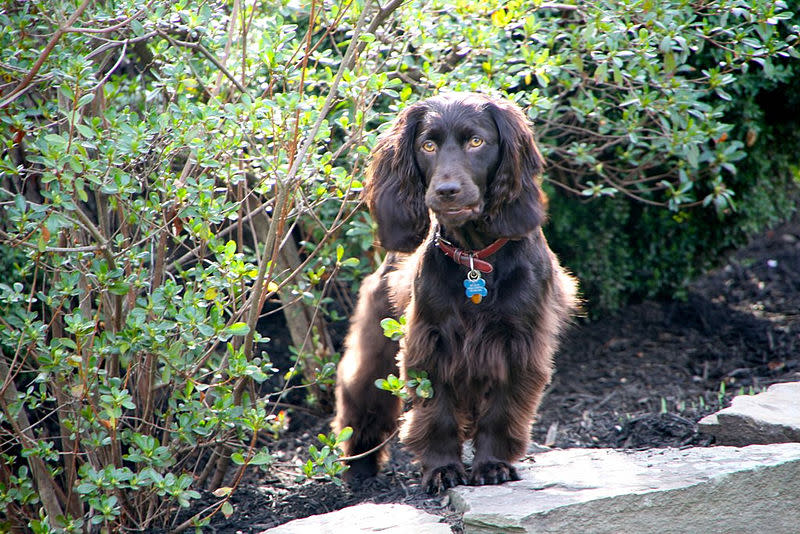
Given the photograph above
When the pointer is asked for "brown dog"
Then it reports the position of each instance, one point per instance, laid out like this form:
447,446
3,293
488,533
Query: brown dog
452,186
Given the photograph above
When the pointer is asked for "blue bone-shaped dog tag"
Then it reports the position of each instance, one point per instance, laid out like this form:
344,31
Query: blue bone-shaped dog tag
475,289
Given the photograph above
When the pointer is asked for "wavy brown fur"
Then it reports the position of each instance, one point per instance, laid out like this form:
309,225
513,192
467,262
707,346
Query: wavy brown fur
489,363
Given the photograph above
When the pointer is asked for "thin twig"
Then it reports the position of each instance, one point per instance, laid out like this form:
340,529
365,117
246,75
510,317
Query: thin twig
373,449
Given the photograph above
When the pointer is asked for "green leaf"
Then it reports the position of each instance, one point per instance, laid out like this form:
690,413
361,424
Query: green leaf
85,99
383,384
601,73
85,488
119,288
669,62
55,141
393,329
345,434
261,458
206,330
227,509
238,329
230,248
425,389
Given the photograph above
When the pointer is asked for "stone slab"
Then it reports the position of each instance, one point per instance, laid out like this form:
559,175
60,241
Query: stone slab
367,517
718,489
769,417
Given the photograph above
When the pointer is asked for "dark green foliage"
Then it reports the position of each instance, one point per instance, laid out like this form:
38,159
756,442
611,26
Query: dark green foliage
623,249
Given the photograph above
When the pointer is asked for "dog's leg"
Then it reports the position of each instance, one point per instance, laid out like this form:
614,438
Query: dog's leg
369,355
503,429
431,431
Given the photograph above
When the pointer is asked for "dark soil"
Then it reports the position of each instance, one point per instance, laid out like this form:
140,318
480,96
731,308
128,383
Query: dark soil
639,379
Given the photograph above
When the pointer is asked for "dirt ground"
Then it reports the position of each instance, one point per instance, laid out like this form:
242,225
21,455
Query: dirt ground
640,379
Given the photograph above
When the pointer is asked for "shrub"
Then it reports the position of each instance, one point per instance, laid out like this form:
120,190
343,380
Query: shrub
167,168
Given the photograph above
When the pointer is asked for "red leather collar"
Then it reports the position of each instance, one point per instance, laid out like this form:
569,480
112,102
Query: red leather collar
474,259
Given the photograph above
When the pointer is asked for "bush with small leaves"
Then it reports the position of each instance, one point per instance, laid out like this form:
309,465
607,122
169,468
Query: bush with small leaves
326,463
417,383
167,169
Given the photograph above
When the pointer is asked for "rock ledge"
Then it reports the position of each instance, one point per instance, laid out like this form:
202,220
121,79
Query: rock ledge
366,518
716,489
769,417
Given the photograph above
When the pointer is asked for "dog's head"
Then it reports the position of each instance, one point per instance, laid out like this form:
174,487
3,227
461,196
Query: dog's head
465,157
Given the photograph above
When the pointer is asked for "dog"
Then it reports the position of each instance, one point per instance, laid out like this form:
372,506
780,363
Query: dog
453,187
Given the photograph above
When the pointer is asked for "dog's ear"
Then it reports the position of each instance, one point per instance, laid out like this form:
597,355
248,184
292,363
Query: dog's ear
395,189
515,203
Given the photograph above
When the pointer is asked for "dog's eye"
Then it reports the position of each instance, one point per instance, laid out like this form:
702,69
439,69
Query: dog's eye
429,146
475,141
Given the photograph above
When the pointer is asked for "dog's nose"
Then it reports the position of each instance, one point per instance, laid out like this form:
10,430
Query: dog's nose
447,189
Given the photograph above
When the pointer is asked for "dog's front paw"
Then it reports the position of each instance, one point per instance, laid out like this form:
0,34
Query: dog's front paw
441,478
492,472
